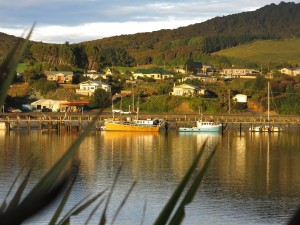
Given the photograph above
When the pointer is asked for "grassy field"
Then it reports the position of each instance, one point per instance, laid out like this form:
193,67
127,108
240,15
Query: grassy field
21,67
265,52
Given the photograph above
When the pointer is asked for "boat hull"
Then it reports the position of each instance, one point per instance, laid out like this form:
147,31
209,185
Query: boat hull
130,127
196,129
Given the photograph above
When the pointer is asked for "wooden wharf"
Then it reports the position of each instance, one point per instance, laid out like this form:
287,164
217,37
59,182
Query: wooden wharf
77,121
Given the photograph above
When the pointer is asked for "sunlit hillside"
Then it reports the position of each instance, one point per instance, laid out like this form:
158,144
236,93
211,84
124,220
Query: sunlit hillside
265,52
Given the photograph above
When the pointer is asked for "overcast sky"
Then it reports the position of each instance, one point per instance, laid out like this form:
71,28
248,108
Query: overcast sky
58,21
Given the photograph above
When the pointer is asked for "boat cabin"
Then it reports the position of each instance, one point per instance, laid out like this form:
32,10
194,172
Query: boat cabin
148,122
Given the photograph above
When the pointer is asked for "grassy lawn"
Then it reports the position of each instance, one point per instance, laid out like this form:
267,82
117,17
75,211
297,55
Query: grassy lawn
265,52
21,67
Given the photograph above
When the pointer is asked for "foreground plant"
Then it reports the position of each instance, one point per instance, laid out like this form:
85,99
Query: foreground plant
62,175
56,179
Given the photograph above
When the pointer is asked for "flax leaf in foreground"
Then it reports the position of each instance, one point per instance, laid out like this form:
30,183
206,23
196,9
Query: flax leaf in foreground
171,204
179,214
64,200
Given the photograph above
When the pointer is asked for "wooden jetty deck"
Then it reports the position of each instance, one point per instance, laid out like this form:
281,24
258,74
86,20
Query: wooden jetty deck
78,121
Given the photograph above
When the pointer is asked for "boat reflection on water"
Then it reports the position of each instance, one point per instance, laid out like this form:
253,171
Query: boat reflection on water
211,138
132,140
123,134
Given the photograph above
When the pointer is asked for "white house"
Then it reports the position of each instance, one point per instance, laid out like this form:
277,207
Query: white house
155,76
240,98
187,90
88,87
109,71
93,74
203,79
291,71
54,105
239,73
179,70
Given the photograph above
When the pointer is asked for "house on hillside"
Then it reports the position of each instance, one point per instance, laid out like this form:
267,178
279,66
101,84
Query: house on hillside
109,71
152,73
93,74
60,77
179,70
240,98
88,87
295,71
187,90
203,79
239,73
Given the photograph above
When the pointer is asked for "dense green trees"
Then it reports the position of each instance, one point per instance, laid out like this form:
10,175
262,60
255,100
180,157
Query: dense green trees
88,56
101,99
44,86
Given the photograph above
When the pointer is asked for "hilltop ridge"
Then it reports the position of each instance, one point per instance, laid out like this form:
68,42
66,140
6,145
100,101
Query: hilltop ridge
170,46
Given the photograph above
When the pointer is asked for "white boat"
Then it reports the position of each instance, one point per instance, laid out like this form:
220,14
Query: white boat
266,127
202,127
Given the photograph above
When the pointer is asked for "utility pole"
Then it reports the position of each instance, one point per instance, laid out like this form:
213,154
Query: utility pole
132,92
229,104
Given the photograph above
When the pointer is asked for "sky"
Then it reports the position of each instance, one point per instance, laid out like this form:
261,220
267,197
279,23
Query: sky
75,21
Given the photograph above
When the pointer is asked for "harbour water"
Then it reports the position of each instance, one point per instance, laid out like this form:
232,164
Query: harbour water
254,178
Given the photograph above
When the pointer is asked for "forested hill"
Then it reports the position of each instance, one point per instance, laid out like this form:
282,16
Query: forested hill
269,22
174,46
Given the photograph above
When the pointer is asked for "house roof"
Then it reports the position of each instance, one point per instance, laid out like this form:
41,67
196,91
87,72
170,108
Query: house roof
47,101
66,73
188,86
89,82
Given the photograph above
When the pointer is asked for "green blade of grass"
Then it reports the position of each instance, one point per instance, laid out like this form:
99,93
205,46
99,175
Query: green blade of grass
16,199
123,202
170,206
55,171
144,213
93,211
103,217
18,214
79,208
69,213
50,184
179,214
64,200
4,203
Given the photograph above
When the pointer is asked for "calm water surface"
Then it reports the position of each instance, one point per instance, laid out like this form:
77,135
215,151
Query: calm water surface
253,178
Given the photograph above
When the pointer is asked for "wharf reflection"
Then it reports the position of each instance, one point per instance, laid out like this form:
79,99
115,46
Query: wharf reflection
260,163
152,155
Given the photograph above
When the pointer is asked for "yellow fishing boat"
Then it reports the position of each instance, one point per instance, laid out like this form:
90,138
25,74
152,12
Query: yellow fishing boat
137,125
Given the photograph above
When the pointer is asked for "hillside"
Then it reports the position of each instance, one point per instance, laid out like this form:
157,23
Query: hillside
171,47
266,52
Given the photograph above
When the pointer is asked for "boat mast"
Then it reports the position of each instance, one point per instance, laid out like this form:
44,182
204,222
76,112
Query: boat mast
112,107
268,101
138,107
121,103
132,92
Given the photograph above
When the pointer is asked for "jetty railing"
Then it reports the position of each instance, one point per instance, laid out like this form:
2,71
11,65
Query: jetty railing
78,120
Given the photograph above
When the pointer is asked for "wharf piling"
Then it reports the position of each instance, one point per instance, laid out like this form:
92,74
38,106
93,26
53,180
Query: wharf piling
59,121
